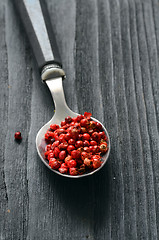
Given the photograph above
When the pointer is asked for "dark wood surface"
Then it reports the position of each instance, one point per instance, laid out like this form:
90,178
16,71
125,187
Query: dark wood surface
109,50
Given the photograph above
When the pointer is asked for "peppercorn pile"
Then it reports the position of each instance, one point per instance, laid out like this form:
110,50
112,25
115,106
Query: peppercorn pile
77,146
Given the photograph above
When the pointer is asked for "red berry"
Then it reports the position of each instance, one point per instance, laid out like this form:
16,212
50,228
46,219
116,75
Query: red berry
95,136
18,136
84,155
92,124
62,155
64,165
74,119
74,133
70,148
60,131
102,135
63,170
84,122
67,159
87,115
99,126
50,155
88,162
65,126
67,136
83,130
86,143
86,149
80,136
79,118
68,119
69,129
96,149
96,157
47,153
48,147
77,125
81,169
63,145
63,123
93,143
71,141
62,137
93,149
86,136
56,152
55,144
75,154
53,163
54,127
73,171
96,163
103,147
90,131
46,136
80,149
79,144
72,163
49,135
56,137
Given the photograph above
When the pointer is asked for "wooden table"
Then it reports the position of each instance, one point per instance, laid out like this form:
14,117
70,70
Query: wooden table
109,50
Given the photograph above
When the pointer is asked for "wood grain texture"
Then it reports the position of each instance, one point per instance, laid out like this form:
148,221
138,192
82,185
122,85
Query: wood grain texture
110,52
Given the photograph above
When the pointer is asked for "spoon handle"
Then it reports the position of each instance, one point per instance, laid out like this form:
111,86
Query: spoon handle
37,24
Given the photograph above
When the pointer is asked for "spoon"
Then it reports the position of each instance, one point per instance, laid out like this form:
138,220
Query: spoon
35,18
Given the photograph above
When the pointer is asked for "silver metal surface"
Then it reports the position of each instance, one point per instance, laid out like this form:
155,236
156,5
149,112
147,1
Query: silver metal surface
34,11
61,111
51,71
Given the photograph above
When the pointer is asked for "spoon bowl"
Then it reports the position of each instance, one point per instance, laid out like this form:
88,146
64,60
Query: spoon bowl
61,112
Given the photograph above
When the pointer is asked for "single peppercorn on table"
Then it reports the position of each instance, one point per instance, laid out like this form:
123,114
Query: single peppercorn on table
109,51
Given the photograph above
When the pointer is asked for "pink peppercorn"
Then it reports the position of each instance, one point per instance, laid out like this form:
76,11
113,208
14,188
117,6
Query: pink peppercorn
86,136
56,152
75,154
18,136
73,171
79,144
84,122
53,163
63,170
62,155
70,148
72,163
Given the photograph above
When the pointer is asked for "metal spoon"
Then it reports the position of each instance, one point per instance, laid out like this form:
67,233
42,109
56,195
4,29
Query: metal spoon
37,24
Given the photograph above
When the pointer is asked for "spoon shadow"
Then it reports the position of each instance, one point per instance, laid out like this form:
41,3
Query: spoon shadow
85,199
